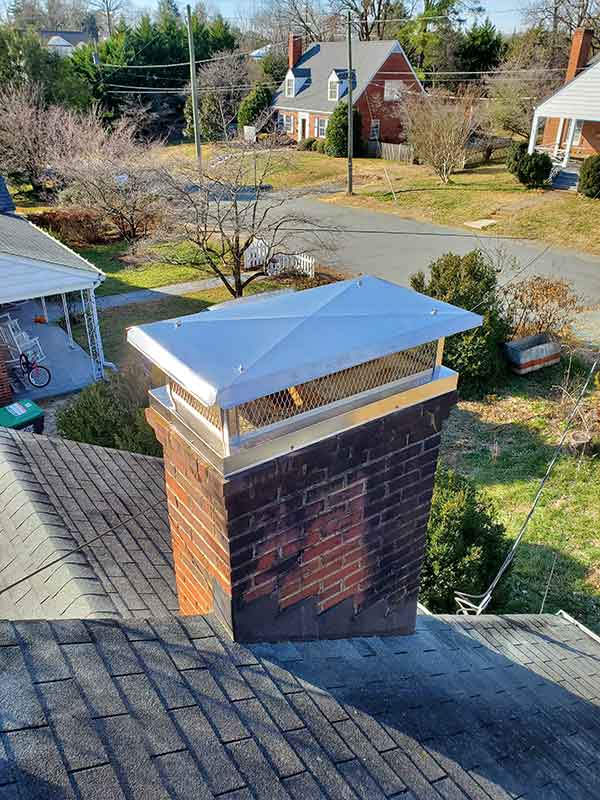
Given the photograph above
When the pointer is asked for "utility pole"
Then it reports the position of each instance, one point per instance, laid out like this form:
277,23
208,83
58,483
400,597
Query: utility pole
194,88
350,108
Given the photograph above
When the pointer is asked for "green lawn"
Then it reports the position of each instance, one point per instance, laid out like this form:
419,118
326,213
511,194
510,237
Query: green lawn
505,444
114,322
126,274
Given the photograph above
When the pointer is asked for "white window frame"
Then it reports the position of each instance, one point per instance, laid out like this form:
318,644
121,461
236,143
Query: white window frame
375,130
290,86
333,82
578,132
321,122
392,90
288,123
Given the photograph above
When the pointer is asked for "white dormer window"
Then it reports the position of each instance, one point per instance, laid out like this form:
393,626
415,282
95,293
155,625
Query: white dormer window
392,90
290,86
333,91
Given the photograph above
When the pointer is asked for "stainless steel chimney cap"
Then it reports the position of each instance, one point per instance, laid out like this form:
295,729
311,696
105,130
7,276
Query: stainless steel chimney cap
288,339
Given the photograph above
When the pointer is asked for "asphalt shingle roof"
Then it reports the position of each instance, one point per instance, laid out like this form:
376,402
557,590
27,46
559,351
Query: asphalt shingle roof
18,237
486,708
324,57
55,494
72,37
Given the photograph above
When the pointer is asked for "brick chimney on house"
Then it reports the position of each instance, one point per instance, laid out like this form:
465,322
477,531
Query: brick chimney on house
294,49
5,390
300,435
580,52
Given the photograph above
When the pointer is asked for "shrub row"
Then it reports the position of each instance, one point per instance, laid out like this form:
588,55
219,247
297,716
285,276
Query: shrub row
74,226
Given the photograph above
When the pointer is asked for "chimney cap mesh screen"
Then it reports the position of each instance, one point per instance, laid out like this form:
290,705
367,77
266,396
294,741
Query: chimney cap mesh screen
318,393
211,414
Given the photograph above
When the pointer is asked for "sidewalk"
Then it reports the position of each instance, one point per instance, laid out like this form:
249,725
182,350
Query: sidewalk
55,310
149,295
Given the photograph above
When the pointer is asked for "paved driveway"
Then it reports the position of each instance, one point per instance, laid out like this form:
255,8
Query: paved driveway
396,257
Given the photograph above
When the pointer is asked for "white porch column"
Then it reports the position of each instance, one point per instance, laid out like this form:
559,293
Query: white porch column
92,327
67,320
569,144
44,309
535,126
559,134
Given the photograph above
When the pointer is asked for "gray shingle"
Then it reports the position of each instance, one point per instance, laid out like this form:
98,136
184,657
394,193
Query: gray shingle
98,782
265,731
40,769
19,705
208,750
55,494
216,706
256,770
124,718
73,729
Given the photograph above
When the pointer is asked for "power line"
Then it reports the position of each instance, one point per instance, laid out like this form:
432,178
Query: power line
81,546
232,54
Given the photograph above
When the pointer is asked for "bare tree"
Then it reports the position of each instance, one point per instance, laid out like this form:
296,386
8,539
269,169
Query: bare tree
220,216
564,17
313,19
35,138
109,9
226,81
439,126
523,80
369,17
114,176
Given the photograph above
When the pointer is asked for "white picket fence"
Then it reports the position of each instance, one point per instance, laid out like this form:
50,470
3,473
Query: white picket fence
298,264
397,152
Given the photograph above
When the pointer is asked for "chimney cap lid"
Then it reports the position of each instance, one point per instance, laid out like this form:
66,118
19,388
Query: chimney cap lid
286,339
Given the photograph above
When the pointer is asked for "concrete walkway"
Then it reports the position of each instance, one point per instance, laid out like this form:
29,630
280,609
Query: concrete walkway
160,293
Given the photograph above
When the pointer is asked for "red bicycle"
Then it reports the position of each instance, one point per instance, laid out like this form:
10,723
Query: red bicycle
37,375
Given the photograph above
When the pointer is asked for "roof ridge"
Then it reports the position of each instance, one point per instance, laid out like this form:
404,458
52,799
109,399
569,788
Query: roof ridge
32,532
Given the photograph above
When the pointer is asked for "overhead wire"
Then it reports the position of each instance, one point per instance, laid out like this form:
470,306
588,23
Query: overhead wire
468,602
80,547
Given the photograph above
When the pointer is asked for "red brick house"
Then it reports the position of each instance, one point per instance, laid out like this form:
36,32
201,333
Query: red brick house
317,79
571,116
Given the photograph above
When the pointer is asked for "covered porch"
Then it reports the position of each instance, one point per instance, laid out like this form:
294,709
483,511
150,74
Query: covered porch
561,139
38,301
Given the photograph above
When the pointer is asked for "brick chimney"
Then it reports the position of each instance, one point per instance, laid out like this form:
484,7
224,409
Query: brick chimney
300,436
580,52
5,390
294,49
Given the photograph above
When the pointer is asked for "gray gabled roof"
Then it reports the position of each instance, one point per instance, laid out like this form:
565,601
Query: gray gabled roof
19,237
485,708
324,57
72,37
56,494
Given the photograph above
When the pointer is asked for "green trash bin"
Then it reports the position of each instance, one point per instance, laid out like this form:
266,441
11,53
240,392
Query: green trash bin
22,415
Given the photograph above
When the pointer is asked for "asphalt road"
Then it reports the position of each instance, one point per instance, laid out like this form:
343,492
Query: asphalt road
397,256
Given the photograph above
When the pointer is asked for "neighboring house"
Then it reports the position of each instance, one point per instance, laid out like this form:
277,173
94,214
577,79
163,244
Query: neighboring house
35,265
261,52
317,80
64,43
572,114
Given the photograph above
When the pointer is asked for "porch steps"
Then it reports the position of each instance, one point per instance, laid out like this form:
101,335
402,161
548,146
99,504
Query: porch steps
566,180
